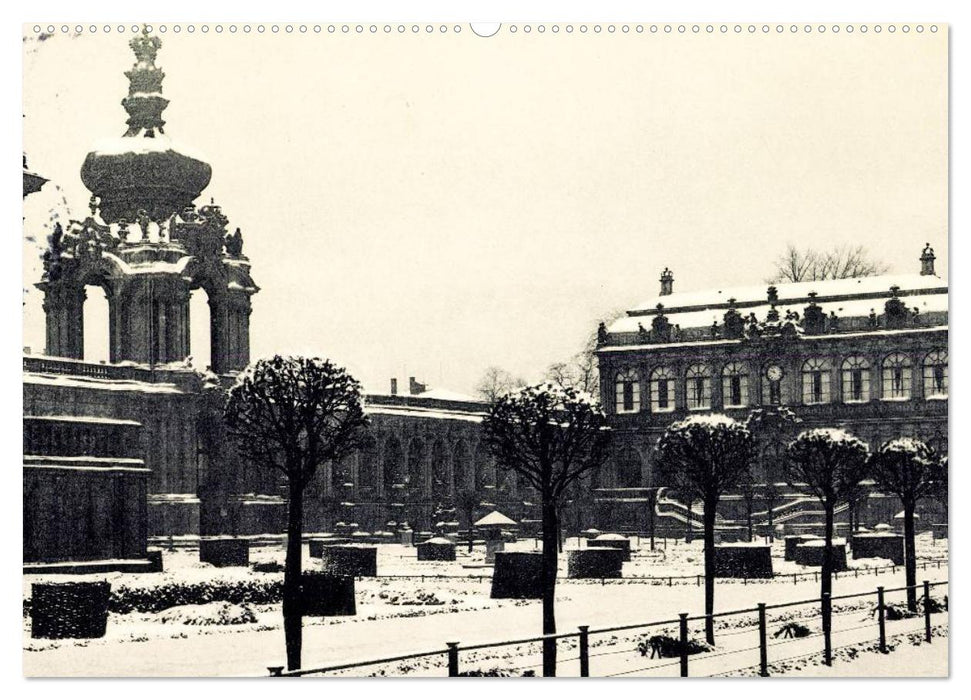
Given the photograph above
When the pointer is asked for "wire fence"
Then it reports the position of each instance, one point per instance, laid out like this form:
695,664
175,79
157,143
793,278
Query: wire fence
798,625
685,579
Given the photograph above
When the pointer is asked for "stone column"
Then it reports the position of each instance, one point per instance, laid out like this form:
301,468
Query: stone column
64,310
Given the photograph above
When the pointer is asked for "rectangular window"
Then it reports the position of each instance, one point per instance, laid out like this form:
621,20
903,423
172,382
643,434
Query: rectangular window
896,383
735,392
628,396
662,394
817,389
775,392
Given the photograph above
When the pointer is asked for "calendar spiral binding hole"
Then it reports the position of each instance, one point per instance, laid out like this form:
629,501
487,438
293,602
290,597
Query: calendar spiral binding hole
537,29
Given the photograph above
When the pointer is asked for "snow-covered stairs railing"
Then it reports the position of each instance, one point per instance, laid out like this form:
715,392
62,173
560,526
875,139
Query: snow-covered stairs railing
860,621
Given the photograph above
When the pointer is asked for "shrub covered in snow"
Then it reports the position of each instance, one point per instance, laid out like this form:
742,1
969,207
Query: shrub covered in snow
221,613
257,591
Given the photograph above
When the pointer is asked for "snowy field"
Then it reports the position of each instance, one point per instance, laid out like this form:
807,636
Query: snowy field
402,613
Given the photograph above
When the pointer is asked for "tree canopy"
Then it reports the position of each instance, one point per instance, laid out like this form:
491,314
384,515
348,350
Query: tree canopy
704,456
550,435
831,462
294,414
907,468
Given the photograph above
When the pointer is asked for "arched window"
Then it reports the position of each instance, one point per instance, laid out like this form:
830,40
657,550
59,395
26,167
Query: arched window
628,469
935,374
698,387
735,385
896,377
815,380
662,390
628,391
856,379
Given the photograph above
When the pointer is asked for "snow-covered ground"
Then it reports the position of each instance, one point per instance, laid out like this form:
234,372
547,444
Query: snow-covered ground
401,613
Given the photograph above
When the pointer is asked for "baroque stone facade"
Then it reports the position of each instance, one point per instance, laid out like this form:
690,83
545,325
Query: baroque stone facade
866,354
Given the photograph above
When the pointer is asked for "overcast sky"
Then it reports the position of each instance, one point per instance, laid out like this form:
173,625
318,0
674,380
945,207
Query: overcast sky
432,205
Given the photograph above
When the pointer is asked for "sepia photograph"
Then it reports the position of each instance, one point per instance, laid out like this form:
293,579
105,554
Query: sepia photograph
527,349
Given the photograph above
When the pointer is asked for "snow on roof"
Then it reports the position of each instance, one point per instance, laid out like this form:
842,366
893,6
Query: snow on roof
611,537
100,384
438,541
493,519
421,412
703,318
446,395
795,290
85,419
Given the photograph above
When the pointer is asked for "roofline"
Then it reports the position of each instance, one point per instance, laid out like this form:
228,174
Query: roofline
739,341
782,301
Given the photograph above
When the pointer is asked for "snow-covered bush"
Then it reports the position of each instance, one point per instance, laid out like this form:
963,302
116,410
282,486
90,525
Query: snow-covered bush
209,614
257,591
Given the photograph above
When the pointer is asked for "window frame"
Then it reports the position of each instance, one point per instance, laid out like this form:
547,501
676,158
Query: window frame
627,379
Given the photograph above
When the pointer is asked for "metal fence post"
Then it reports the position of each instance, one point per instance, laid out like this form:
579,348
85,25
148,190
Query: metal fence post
927,611
584,651
882,620
763,647
453,659
827,624
684,644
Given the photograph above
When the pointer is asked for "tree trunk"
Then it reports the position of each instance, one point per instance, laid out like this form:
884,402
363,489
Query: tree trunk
826,576
650,521
748,518
550,549
910,556
771,505
710,505
688,524
292,604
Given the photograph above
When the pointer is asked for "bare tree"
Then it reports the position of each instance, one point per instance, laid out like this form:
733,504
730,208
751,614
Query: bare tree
496,382
551,437
581,371
841,262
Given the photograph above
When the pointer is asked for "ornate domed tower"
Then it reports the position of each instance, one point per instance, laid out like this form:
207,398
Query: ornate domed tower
146,244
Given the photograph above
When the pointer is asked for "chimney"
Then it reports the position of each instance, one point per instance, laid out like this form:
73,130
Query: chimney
667,282
415,387
394,386
927,259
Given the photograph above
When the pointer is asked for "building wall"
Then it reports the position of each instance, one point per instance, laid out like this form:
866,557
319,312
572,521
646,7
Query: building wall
875,421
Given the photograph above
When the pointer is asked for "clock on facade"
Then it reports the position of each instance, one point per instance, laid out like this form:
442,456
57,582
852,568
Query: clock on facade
774,372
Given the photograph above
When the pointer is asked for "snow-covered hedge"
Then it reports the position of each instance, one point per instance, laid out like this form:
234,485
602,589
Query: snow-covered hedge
256,591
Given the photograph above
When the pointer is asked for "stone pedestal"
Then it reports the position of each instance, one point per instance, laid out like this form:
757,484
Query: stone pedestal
492,548
224,551
436,549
